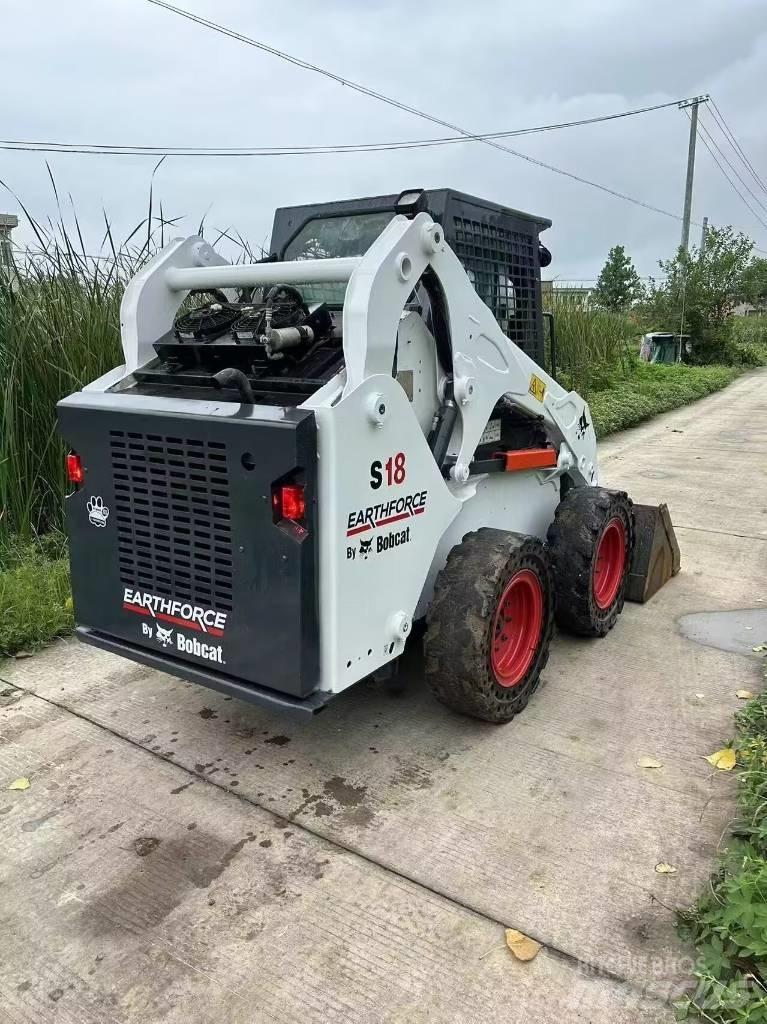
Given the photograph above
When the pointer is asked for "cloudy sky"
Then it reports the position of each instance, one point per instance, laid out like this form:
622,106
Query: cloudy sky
126,72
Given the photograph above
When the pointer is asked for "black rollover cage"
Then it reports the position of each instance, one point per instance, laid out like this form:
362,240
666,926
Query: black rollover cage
499,247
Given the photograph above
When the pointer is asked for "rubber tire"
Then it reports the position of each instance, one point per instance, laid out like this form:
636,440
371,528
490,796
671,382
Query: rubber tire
460,622
573,538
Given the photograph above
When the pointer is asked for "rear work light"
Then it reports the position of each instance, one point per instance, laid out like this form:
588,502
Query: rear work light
288,502
75,471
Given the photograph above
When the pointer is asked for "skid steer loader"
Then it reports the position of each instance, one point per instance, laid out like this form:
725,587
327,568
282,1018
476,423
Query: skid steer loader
302,457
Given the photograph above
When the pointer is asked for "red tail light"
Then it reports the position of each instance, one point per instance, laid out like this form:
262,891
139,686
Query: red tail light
75,471
288,502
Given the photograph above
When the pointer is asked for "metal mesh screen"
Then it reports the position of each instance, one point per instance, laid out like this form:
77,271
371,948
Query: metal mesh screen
503,267
173,516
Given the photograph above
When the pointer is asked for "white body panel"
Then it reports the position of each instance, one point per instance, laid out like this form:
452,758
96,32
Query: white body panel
384,533
372,565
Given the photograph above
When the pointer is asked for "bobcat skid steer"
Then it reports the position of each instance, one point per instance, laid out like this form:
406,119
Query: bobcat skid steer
303,456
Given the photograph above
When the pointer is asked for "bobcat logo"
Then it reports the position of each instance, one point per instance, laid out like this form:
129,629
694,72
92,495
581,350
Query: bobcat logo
165,636
583,426
98,513
365,547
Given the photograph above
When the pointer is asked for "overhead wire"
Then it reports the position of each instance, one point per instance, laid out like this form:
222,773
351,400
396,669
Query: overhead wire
106,149
714,143
735,188
490,139
719,117
373,94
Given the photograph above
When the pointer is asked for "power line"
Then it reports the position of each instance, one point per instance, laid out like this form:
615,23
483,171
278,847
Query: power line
733,169
719,116
105,149
365,91
726,175
731,182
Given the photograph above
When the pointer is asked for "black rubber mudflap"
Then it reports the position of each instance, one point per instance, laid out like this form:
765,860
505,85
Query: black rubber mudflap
656,552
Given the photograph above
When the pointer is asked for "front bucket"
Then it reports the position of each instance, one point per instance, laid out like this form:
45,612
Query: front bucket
656,552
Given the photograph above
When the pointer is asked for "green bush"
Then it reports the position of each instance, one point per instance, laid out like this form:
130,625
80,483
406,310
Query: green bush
747,344
653,389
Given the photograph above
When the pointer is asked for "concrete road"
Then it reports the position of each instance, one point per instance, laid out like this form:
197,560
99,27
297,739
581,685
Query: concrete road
182,857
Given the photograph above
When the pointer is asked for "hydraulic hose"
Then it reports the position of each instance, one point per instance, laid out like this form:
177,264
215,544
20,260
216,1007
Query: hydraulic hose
231,378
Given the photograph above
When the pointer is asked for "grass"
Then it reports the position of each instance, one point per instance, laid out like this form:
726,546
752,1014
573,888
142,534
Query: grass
728,926
35,603
594,346
59,329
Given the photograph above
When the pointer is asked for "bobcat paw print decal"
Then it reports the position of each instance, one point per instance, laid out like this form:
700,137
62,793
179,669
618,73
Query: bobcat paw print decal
98,513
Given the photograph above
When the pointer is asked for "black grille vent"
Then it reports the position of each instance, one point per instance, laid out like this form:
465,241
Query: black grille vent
173,517
503,267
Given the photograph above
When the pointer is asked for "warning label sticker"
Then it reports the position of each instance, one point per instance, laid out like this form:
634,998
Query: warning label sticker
537,388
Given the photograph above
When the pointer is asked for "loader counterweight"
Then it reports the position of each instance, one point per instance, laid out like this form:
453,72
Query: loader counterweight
189,563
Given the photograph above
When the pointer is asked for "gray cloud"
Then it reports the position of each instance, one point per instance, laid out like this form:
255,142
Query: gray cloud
127,72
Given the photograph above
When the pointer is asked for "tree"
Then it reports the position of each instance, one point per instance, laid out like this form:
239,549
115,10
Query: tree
618,286
754,289
700,292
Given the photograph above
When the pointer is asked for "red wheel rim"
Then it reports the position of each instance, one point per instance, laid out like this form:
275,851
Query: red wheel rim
610,563
516,628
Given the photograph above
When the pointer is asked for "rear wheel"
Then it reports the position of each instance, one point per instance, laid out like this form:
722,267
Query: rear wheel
490,624
591,540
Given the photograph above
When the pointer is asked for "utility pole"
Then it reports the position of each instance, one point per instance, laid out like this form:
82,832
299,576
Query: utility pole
8,221
703,235
694,103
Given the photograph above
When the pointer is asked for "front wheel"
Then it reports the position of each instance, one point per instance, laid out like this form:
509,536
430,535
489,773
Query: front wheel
490,624
591,542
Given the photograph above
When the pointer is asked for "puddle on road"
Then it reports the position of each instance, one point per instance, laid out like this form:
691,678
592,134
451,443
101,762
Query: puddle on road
738,631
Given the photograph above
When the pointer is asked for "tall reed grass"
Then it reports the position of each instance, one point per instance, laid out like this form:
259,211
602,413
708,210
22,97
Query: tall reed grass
595,348
60,330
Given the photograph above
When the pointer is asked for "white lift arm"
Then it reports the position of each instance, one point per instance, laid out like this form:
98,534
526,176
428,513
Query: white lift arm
486,364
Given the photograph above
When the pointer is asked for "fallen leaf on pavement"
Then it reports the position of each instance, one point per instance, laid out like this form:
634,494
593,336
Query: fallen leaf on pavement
744,694
648,762
724,759
521,946
21,783
665,869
